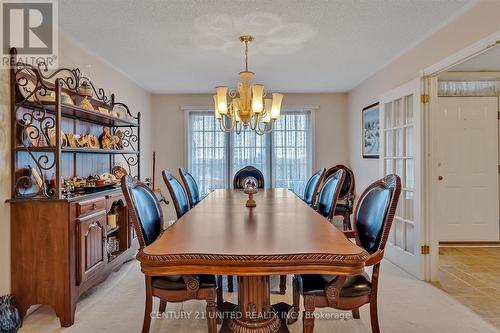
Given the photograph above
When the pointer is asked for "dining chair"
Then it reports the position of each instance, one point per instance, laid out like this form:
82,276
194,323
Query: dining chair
329,194
346,197
191,187
312,187
373,218
177,193
147,217
248,171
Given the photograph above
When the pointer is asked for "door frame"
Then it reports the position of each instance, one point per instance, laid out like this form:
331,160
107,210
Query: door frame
429,88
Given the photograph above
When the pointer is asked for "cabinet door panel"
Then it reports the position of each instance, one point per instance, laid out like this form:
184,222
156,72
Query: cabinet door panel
91,233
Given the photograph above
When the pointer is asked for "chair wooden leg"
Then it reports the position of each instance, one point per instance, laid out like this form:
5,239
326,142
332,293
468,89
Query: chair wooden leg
162,307
220,298
346,219
212,314
230,283
148,307
294,315
308,315
355,313
282,284
374,315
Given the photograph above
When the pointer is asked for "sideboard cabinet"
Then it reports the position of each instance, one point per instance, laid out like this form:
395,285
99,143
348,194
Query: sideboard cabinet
69,223
59,249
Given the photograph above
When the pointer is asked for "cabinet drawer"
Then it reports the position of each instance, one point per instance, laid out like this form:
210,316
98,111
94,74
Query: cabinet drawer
91,205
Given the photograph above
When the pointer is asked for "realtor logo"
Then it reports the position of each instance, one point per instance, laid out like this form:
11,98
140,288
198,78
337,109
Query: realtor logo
30,27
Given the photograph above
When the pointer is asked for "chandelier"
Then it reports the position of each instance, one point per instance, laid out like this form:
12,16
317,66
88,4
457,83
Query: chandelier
248,106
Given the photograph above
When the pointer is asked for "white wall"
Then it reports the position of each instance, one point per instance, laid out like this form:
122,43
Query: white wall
169,128
477,23
105,76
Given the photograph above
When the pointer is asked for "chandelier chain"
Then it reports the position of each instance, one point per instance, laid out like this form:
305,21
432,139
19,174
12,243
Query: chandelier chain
246,56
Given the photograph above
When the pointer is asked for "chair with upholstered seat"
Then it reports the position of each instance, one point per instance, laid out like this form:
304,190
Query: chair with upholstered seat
373,218
248,171
191,187
177,193
329,194
346,196
147,217
312,187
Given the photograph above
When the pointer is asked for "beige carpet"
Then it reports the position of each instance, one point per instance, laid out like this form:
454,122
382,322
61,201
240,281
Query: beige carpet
405,305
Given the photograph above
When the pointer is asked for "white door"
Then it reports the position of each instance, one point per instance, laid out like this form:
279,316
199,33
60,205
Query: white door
401,119
466,166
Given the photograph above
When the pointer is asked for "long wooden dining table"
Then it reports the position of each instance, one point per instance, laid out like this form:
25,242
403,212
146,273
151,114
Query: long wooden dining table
281,235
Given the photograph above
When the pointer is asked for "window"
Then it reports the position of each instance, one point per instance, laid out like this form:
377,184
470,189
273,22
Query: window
207,151
284,156
291,151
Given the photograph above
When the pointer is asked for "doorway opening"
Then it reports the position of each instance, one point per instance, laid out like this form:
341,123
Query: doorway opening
464,176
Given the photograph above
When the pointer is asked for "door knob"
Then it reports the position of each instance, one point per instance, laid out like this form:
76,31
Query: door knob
440,177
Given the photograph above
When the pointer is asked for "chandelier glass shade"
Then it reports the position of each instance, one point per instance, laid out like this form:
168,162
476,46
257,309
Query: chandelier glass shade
249,105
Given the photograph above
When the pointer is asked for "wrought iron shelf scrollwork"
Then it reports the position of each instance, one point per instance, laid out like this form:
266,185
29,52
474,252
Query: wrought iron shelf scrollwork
38,116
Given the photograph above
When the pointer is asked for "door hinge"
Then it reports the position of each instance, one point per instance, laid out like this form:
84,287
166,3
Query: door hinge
425,249
424,98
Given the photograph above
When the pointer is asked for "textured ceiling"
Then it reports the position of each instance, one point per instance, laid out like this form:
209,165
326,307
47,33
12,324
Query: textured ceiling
191,46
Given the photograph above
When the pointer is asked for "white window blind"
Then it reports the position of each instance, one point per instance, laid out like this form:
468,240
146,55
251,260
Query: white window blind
249,148
284,156
291,151
207,147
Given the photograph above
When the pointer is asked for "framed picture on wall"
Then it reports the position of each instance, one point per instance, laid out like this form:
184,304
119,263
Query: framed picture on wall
371,131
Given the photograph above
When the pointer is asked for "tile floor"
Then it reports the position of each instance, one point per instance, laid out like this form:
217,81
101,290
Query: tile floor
472,276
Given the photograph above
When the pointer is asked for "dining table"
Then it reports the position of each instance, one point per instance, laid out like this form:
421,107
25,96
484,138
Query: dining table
280,235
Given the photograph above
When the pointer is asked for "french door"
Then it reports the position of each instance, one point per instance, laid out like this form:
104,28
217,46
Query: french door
400,131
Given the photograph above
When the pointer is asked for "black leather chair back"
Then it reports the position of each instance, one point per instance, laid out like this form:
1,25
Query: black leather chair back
191,187
374,213
248,171
348,185
329,194
177,193
312,186
144,210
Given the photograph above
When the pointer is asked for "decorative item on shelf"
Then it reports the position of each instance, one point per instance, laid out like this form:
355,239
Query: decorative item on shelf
66,99
45,96
103,110
85,104
106,139
85,89
250,188
72,140
119,111
118,171
92,141
112,217
82,141
249,106
113,113
118,140
51,133
113,244
10,317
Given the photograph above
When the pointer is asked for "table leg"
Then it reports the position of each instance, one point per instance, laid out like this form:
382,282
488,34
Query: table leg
255,312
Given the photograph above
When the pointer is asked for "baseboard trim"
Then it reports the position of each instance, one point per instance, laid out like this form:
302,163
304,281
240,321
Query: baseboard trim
469,243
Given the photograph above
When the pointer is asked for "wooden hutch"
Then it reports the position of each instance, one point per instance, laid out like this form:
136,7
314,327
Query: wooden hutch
60,239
